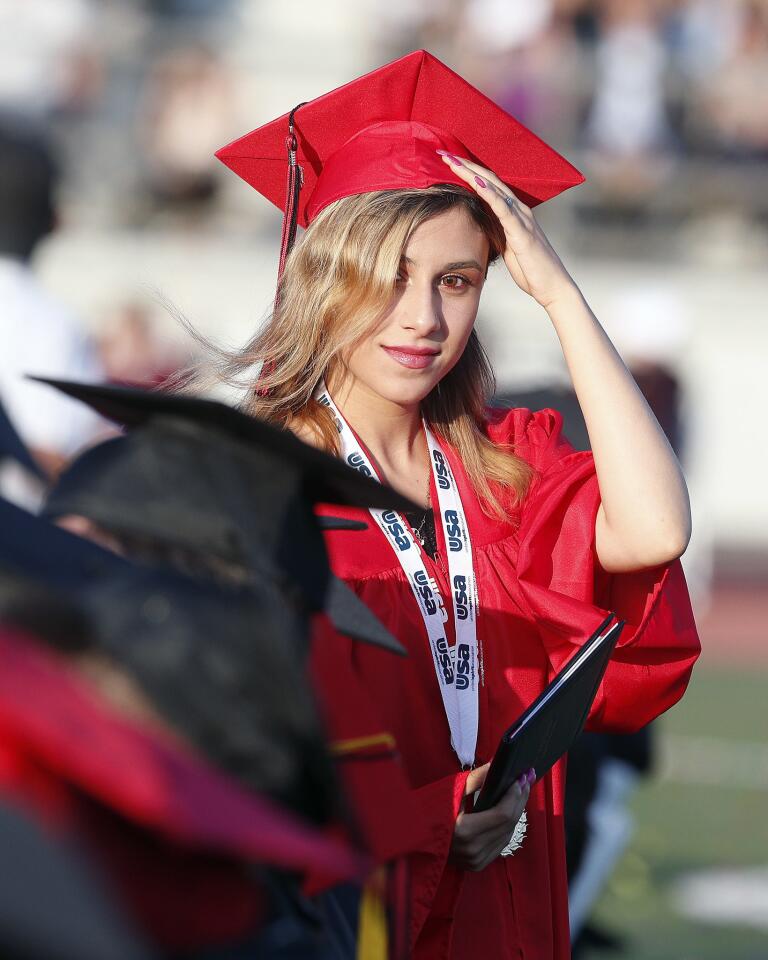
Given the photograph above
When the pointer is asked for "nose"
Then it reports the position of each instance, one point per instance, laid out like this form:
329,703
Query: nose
420,309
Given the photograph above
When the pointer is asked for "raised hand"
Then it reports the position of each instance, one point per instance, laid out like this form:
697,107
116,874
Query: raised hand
534,265
634,465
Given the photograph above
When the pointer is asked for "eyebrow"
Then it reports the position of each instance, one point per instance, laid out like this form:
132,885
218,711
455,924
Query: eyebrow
456,265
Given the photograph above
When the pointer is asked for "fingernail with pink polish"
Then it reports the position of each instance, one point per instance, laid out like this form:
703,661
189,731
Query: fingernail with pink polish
522,780
443,153
531,776
480,182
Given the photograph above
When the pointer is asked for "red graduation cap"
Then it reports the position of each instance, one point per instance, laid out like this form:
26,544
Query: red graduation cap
381,131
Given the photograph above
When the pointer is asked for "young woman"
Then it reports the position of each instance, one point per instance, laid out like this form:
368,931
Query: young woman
520,544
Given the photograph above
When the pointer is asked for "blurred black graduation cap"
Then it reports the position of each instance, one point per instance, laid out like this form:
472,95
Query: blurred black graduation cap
41,552
220,665
199,474
44,574
12,446
217,662
52,901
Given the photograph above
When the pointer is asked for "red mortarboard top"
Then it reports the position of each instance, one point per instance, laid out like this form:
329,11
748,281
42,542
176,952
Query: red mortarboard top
381,131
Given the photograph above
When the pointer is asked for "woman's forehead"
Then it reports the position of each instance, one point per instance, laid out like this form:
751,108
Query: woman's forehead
450,236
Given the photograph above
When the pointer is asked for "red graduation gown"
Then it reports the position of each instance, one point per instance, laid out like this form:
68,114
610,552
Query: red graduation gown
384,817
541,593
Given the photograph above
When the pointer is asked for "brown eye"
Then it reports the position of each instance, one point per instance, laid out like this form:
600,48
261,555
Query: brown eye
454,281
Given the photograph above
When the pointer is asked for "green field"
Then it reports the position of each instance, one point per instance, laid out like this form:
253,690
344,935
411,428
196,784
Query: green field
685,825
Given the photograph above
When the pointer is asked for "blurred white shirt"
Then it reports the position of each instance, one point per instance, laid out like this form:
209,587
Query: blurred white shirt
39,336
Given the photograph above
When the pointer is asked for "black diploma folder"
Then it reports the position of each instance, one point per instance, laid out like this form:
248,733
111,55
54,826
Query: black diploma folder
546,730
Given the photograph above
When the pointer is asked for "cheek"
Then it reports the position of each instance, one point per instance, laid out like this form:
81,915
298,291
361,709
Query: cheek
360,359
366,348
460,321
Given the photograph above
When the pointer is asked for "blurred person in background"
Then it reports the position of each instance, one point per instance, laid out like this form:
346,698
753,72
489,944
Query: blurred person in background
48,59
628,126
184,112
131,351
703,36
527,58
732,102
150,496
403,26
38,334
187,9
120,780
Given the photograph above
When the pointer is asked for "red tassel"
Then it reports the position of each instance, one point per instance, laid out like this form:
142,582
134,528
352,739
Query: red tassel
292,191
290,218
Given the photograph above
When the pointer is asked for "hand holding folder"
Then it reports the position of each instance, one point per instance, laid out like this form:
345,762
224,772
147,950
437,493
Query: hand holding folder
547,729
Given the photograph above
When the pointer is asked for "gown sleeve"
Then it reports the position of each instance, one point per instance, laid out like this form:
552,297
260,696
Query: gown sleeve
567,593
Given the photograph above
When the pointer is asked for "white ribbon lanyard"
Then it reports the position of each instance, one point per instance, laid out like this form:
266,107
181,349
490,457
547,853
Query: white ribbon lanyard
456,667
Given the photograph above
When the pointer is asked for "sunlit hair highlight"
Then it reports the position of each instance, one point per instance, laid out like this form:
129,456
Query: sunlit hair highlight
338,283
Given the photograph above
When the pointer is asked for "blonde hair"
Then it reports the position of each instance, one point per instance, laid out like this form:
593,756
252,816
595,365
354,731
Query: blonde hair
338,282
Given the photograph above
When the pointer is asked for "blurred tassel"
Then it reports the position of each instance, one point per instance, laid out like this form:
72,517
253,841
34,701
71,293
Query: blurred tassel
372,938
399,909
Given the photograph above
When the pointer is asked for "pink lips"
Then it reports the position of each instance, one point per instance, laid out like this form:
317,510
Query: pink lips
417,358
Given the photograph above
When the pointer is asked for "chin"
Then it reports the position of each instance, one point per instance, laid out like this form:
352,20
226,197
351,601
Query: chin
405,392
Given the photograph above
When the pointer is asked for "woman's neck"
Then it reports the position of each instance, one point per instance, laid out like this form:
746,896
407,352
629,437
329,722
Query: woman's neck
392,433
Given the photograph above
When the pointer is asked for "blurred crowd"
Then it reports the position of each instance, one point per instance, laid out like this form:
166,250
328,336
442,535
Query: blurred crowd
653,92
627,79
